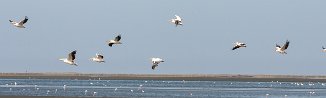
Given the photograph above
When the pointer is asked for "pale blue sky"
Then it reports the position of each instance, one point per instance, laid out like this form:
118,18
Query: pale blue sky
202,46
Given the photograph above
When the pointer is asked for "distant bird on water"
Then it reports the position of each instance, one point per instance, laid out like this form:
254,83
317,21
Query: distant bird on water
177,20
98,58
115,41
238,45
324,49
70,59
19,24
282,49
155,62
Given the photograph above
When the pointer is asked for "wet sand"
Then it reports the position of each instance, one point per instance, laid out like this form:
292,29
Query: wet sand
178,77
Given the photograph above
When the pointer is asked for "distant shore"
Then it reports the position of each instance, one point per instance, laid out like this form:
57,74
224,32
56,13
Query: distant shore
177,77
49,97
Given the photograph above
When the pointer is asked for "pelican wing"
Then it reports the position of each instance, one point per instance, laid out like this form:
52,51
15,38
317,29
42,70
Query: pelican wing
178,18
117,38
154,65
100,56
110,44
71,56
278,46
23,21
236,47
286,45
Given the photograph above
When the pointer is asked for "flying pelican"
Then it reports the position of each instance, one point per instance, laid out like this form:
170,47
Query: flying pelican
115,41
238,45
324,49
177,20
19,24
155,62
70,59
282,49
99,58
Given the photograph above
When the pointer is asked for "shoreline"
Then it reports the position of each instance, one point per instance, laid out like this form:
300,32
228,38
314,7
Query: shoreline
176,77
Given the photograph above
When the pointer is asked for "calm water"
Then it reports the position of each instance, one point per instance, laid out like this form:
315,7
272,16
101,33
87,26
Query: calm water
158,88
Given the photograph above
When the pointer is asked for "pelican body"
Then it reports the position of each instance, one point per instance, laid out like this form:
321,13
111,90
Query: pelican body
238,45
155,62
177,20
19,24
98,58
70,59
115,41
282,49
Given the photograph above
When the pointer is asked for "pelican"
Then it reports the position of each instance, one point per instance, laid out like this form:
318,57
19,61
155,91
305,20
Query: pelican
70,59
19,24
155,62
177,20
324,49
238,45
115,41
282,49
98,58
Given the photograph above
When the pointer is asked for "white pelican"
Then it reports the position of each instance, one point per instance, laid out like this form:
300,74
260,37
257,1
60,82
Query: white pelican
98,58
282,49
115,41
238,45
70,59
155,62
19,24
177,20
324,49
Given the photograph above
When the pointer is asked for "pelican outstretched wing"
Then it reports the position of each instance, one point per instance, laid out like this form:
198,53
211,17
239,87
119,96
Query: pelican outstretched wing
286,45
23,21
178,17
71,56
117,38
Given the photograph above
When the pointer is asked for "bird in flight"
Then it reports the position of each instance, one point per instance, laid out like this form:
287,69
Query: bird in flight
70,59
238,45
282,49
19,24
324,49
155,62
98,58
115,41
177,20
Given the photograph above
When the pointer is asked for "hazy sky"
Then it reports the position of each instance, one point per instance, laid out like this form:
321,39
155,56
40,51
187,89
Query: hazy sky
202,46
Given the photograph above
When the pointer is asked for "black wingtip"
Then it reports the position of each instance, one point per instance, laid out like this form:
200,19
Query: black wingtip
74,52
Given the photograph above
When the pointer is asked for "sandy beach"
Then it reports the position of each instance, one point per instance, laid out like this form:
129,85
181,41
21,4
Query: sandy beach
186,77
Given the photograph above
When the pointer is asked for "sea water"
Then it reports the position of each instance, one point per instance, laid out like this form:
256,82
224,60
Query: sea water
161,88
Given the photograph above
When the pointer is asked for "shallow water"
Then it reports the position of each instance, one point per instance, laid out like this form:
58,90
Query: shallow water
160,88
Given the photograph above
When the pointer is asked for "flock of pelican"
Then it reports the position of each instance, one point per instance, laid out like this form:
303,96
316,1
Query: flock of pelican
155,61
278,49
98,58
